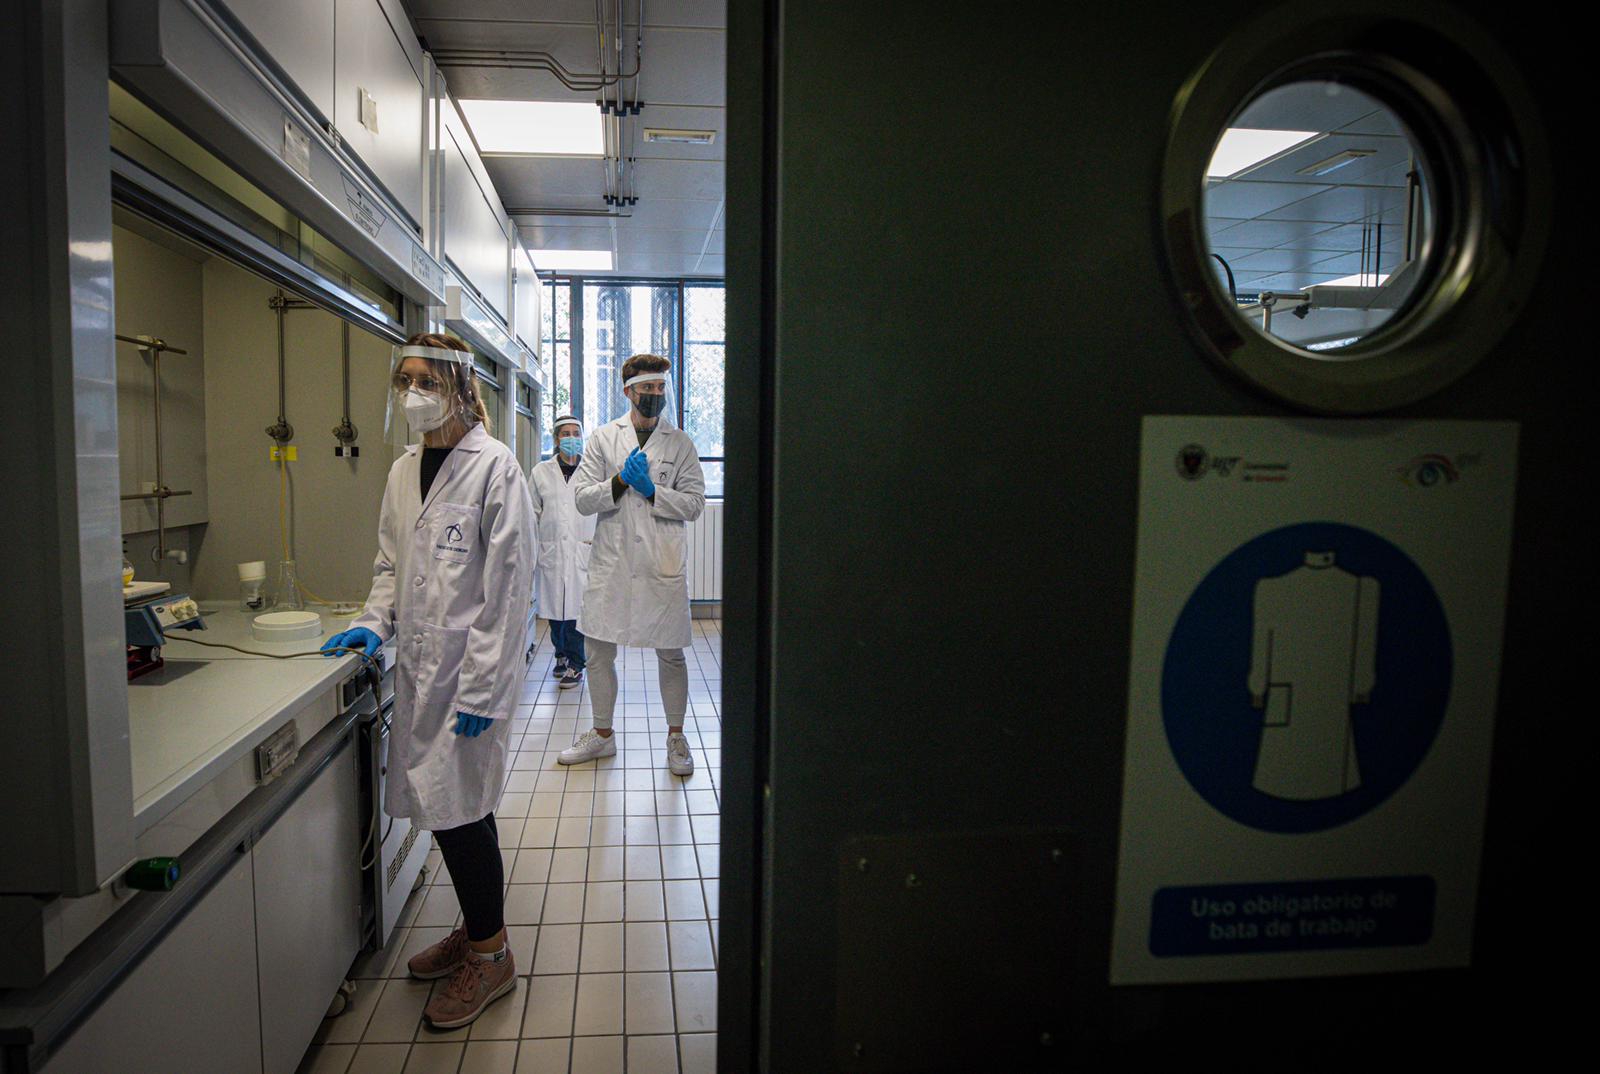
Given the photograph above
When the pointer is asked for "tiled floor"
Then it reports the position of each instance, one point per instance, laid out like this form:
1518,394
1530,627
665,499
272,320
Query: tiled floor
611,902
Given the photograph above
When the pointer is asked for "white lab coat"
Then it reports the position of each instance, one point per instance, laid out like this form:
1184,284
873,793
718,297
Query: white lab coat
638,591
452,585
565,539
1313,655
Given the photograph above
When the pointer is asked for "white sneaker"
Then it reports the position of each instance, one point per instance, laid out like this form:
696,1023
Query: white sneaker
679,759
590,745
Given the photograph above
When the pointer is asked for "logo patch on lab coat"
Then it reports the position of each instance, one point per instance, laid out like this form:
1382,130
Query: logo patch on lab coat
453,531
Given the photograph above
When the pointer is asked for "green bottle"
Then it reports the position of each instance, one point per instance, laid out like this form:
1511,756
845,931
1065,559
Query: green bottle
152,874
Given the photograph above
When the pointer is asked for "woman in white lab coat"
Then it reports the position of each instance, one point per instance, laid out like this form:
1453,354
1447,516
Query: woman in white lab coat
641,476
451,586
565,537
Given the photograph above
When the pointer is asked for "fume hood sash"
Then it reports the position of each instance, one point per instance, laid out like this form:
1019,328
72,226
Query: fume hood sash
183,59
466,315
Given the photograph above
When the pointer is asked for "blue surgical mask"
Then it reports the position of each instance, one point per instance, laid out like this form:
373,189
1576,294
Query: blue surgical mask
572,446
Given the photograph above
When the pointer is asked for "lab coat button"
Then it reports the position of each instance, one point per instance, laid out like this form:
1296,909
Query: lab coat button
419,580
637,539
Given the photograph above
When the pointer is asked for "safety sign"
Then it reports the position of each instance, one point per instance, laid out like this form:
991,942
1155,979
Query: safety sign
1317,621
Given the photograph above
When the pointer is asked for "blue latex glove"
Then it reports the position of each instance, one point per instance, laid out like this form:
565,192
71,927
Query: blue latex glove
470,725
355,638
636,473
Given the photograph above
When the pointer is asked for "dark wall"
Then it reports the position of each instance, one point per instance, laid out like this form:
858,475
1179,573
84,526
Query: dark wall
938,210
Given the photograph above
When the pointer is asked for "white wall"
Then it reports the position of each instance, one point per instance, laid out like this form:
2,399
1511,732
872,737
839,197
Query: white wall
333,502
159,294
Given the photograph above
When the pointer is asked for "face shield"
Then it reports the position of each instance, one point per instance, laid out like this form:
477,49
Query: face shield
567,432
430,391
653,391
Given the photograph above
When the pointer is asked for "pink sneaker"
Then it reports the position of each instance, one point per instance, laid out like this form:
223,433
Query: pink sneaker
442,959
476,984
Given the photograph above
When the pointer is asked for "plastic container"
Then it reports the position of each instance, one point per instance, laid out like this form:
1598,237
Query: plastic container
287,626
253,586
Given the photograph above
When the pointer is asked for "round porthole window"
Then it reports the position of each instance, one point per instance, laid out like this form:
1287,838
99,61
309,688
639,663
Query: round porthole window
1318,215
1353,203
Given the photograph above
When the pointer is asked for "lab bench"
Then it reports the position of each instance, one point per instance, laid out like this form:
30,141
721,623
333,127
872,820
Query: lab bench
281,886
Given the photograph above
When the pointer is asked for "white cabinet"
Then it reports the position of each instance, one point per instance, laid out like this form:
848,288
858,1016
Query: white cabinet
308,910
299,36
242,981
191,1004
475,241
377,105
528,294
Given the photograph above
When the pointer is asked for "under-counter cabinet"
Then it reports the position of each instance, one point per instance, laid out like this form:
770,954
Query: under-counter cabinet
242,981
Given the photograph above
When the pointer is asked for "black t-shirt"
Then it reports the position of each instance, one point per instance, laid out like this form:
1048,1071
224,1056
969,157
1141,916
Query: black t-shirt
432,459
568,471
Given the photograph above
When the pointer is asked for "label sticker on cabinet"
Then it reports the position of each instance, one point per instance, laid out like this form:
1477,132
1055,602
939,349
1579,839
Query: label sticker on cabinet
296,147
364,210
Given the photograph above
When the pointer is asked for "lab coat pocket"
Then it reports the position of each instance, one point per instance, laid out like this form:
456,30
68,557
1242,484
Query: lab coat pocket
670,540
453,530
584,549
444,650
1280,703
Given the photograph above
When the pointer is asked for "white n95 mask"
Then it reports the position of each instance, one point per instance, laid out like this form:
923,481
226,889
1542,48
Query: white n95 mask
425,411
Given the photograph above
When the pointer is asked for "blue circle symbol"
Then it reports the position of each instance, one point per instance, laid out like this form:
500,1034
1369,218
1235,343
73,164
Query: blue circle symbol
1306,677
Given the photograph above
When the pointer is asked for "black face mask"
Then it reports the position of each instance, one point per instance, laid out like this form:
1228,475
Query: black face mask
651,405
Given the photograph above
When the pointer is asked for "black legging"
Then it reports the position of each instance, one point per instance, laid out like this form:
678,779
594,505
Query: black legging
472,852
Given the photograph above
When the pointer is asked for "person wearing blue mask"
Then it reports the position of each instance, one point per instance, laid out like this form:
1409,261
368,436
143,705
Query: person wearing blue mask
450,590
565,540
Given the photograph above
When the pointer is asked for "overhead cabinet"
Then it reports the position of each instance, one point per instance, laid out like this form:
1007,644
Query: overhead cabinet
378,99
477,240
248,82
358,65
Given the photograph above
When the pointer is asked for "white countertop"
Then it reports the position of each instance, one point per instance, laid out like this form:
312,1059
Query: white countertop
208,707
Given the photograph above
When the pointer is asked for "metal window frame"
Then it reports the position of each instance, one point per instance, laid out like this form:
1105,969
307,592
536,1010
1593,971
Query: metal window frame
575,349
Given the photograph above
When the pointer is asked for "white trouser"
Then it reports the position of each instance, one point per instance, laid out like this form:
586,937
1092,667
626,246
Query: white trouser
602,672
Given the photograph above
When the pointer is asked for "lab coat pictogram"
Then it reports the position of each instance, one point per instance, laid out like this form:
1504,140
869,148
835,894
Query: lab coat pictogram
1313,656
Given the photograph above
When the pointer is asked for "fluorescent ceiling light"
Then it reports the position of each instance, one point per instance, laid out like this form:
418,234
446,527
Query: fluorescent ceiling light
557,128
1335,162
663,134
1240,148
1333,344
579,260
1360,279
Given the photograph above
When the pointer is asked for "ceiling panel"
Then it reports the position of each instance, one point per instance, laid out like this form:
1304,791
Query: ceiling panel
659,213
640,240
534,180
679,66
589,238
681,84
1247,199
1263,261
1388,153
711,14
692,179
1320,110
1342,205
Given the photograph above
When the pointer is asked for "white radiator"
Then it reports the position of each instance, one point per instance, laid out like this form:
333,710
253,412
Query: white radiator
705,553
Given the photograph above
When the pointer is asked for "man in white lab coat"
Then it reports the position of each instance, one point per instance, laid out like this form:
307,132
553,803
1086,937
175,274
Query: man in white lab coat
641,475
565,539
